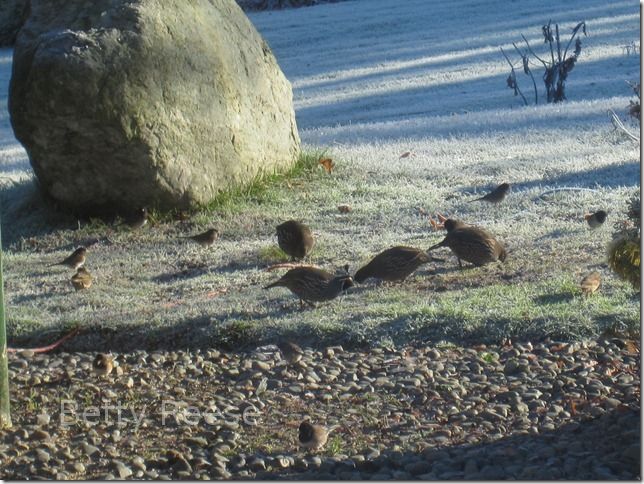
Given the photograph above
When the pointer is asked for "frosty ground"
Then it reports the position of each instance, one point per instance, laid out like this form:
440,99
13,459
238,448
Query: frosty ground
371,80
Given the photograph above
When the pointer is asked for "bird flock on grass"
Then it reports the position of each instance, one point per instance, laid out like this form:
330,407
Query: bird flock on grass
311,284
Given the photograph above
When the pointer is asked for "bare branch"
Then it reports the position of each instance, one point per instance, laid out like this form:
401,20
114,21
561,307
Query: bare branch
620,126
574,33
532,52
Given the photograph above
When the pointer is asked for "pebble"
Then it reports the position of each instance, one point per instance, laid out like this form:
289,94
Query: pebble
421,405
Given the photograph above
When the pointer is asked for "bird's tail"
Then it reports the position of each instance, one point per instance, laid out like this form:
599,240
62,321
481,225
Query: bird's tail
274,284
55,264
436,246
475,200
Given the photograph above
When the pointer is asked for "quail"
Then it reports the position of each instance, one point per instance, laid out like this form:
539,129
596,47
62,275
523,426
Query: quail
590,283
82,279
295,239
312,284
290,351
205,239
394,264
312,436
75,260
103,364
596,219
495,196
471,244
138,220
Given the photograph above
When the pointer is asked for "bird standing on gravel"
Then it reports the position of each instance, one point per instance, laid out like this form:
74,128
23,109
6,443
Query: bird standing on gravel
471,244
312,436
596,219
103,364
394,264
82,279
590,283
290,351
295,239
205,239
75,260
312,284
495,196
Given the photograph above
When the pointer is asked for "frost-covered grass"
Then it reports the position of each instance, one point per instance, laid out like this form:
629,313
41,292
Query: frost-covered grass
370,84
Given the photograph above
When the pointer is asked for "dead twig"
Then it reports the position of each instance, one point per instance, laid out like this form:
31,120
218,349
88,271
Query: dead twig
619,126
46,349
288,265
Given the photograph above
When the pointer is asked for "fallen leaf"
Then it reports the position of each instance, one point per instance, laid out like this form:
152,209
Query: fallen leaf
328,164
406,154
344,208
631,347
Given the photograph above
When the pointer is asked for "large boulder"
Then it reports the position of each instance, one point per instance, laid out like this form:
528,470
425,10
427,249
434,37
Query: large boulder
157,103
12,15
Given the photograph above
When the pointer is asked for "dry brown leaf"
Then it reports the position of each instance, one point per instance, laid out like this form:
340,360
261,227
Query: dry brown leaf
328,164
632,347
344,208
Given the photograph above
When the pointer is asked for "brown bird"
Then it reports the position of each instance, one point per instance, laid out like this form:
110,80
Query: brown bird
471,244
394,264
103,364
596,219
295,239
290,351
75,260
312,284
206,239
138,220
82,279
590,283
495,196
312,436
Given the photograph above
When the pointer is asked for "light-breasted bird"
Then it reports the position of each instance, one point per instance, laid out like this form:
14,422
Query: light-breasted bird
393,264
590,283
295,239
312,284
82,279
313,436
471,244
596,219
75,260
205,239
290,351
103,364
138,220
495,196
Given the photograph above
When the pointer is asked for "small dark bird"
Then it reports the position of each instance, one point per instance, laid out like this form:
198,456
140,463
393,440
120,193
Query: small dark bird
82,279
295,239
495,196
312,284
138,220
596,219
290,351
103,364
394,264
75,260
471,244
206,239
312,436
590,283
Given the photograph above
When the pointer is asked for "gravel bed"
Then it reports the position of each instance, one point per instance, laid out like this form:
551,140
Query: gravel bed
550,410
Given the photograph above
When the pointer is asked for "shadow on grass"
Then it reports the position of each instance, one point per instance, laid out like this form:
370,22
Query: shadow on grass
556,298
613,455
